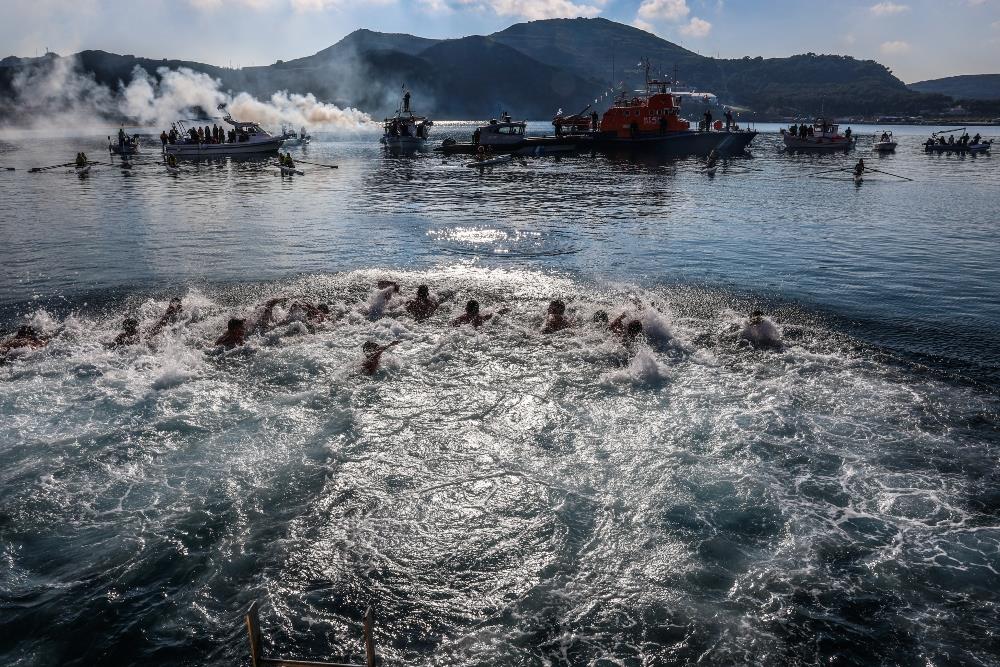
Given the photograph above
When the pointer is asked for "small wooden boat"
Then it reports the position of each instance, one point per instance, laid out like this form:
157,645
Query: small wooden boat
500,159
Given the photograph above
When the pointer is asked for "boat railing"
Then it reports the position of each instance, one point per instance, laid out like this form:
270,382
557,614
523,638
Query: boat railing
257,658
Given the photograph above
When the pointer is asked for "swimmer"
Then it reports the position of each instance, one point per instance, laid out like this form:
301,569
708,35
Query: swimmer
303,311
373,355
27,337
601,318
760,332
170,316
473,316
236,334
629,334
556,319
423,306
265,320
129,334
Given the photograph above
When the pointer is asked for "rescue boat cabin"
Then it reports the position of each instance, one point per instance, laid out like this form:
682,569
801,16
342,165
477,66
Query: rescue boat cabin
657,112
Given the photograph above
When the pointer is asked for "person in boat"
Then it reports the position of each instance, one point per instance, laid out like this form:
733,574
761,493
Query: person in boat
951,140
164,138
170,315
81,160
129,334
793,130
475,137
473,315
708,119
406,102
288,161
423,306
847,134
976,139
26,337
556,319
373,355
172,161
810,131
729,119
859,168
594,121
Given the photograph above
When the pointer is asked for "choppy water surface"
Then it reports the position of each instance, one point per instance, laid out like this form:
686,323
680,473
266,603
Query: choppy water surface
502,496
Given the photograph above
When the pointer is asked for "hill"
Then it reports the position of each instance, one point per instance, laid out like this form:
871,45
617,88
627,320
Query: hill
531,69
967,86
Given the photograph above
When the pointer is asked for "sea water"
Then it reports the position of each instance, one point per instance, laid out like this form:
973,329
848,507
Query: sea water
499,495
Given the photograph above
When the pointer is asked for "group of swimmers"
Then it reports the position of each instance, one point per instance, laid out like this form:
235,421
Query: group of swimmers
757,331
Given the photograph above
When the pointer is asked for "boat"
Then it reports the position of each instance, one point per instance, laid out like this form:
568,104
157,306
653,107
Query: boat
858,178
488,162
650,120
822,135
884,144
958,147
125,145
711,170
290,171
405,130
251,138
172,169
293,138
508,136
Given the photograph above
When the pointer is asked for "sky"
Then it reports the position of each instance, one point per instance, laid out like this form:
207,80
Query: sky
917,39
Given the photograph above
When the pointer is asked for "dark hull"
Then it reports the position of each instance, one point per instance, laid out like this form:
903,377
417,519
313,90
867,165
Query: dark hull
677,143
530,146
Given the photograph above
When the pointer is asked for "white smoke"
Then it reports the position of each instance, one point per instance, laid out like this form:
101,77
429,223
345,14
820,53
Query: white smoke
182,91
61,95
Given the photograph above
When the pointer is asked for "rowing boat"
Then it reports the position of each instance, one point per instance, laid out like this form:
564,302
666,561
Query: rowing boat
83,170
289,171
500,159
172,170
711,170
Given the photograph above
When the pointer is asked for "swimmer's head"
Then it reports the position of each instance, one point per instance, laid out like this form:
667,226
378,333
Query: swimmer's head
235,324
633,330
130,325
27,332
423,292
175,302
601,317
323,308
369,348
557,307
472,308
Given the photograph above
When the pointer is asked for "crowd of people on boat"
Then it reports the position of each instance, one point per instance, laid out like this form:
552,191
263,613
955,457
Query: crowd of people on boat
627,327
963,141
203,135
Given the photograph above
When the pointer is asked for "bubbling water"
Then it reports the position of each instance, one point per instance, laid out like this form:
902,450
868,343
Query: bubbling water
503,496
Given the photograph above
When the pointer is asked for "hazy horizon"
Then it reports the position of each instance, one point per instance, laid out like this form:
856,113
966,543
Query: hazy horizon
888,32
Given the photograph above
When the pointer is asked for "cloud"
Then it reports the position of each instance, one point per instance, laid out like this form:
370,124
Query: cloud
528,9
888,8
663,10
894,47
696,27
642,25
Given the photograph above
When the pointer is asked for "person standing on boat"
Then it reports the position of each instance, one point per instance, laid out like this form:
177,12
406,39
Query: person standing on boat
164,138
847,134
975,139
708,119
729,119
594,122
406,102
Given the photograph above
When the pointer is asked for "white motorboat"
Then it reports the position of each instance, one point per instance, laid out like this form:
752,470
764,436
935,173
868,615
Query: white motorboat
884,143
249,138
405,130
822,135
293,138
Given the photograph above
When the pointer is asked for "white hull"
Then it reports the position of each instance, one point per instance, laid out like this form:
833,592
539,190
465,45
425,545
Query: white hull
173,170
83,171
290,171
224,150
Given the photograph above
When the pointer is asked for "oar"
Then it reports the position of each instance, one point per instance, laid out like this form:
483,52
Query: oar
877,171
9,168
827,171
947,131
328,166
55,166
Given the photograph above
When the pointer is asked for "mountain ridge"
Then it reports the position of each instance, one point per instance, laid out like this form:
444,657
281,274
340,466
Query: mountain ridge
531,69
